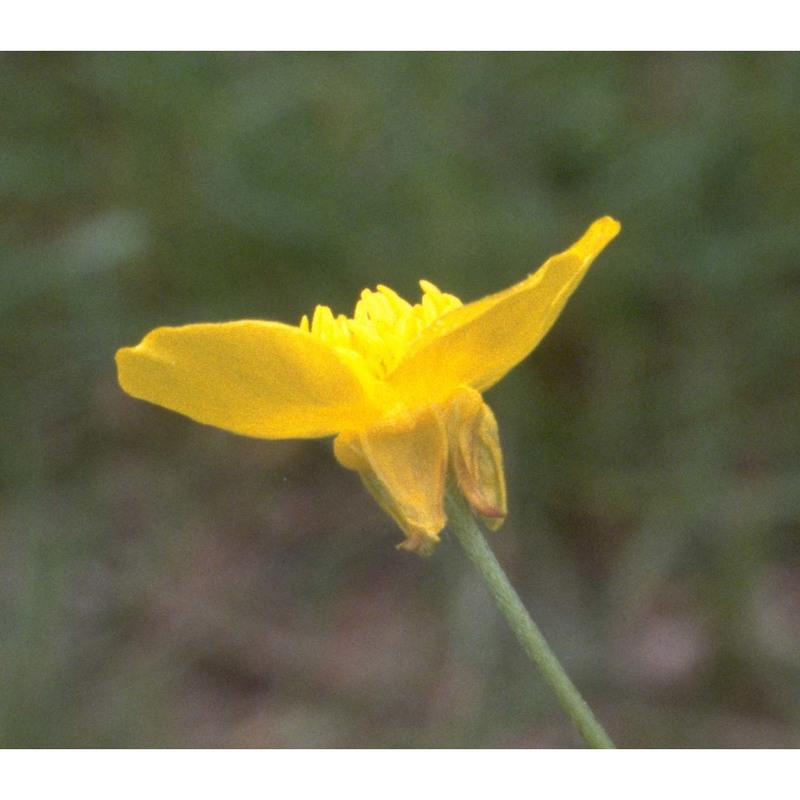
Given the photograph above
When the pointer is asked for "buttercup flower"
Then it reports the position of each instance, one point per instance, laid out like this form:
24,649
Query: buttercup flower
399,385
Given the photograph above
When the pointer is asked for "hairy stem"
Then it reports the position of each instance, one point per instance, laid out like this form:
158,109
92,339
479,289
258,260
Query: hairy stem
466,530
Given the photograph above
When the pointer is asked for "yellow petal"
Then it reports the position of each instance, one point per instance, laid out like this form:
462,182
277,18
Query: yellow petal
403,463
475,456
255,378
477,344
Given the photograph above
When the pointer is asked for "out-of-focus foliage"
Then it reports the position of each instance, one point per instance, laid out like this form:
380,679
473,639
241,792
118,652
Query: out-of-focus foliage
168,584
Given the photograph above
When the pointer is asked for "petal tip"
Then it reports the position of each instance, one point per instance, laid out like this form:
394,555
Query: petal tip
602,231
597,236
122,360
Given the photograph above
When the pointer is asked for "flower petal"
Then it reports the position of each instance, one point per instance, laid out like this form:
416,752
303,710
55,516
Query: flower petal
477,344
262,379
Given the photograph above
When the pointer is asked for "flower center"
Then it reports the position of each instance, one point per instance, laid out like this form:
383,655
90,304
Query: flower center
383,326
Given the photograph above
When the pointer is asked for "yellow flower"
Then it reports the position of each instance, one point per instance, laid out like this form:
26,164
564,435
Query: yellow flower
398,384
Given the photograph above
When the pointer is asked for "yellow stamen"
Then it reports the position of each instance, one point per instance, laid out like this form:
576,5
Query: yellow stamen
383,326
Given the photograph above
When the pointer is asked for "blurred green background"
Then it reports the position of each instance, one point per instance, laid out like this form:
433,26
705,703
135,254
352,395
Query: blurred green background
167,584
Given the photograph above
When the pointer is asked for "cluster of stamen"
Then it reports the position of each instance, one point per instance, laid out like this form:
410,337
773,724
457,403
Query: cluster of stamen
383,326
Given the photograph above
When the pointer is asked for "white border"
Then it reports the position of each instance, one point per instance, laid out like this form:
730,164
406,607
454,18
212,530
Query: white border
411,25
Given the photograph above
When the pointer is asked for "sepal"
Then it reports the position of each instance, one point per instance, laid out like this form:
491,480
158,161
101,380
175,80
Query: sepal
476,460
402,463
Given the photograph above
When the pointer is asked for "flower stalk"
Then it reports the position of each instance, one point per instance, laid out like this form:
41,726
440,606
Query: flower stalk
465,528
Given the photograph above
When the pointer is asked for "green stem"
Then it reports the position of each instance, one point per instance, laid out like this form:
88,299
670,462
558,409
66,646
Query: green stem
466,530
